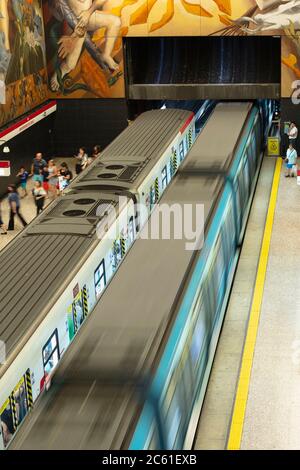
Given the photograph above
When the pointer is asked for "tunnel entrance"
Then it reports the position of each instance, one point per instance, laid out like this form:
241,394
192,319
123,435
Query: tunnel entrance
185,68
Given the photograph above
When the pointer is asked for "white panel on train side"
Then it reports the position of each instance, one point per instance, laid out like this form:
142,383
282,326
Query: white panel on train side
31,354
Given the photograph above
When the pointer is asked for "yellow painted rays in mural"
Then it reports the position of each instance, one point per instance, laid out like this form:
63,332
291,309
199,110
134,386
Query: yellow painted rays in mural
140,16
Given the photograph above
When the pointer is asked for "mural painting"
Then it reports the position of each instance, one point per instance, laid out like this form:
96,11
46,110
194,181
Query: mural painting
84,48
84,36
84,41
22,57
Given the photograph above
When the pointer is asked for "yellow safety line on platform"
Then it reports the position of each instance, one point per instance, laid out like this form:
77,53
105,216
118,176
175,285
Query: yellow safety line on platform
239,410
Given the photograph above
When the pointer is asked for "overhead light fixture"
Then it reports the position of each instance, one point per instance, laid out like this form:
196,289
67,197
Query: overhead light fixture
6,149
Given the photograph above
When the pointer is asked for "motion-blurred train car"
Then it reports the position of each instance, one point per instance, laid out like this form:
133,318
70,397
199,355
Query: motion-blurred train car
136,375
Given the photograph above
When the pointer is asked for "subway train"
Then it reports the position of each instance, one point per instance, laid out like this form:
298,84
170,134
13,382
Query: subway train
56,269
136,374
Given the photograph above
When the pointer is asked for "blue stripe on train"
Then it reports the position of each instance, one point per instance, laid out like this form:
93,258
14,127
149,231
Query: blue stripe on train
141,434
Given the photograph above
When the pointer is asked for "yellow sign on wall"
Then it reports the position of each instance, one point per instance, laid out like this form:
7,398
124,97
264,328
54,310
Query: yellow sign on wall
273,146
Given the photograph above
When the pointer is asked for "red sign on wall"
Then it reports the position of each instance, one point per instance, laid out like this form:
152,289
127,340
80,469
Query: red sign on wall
4,168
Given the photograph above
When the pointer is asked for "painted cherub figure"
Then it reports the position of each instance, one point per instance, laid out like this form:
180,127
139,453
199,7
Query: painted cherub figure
90,19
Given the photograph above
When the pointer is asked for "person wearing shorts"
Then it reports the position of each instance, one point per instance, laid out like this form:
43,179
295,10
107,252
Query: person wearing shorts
291,160
38,163
23,175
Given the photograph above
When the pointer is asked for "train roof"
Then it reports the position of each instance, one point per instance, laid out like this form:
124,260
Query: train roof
127,161
37,263
117,344
214,150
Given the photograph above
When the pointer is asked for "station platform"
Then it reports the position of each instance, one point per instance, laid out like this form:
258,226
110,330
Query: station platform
252,401
267,407
28,207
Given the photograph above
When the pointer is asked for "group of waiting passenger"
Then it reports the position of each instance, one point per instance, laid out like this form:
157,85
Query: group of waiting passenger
83,160
49,181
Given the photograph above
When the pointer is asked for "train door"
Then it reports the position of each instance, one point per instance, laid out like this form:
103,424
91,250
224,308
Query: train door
51,354
100,279
181,151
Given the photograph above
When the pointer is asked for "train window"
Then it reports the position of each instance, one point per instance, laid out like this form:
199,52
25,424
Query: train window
187,146
212,288
246,179
188,376
251,161
173,419
164,178
51,353
241,190
229,233
219,270
181,151
201,333
100,278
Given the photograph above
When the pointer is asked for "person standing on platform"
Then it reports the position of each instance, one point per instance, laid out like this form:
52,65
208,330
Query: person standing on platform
45,174
37,166
291,160
82,160
52,178
65,176
96,152
23,175
39,195
14,204
293,134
